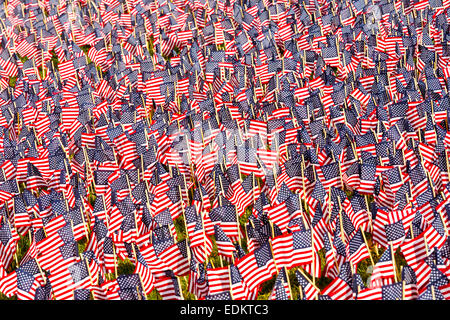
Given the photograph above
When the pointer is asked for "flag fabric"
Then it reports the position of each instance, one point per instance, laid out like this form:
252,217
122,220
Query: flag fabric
308,290
294,249
257,267
227,143
281,289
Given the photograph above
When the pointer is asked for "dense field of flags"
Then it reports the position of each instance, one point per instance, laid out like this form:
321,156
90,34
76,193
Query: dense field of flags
224,149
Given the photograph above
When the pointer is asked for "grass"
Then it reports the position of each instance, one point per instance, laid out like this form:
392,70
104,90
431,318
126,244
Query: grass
221,47
42,72
151,46
12,82
22,59
82,244
54,60
4,297
180,228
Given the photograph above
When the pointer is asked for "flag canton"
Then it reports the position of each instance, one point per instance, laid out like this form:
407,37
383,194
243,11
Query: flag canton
248,183
263,255
76,216
162,245
190,214
319,192
394,231
358,283
174,182
202,277
424,197
128,223
219,296
220,234
330,52
280,292
99,204
392,291
301,239
163,218
349,228
183,247
346,274
174,194
284,193
89,256
239,252
408,275
24,280
233,173
5,233
162,233
339,245
417,174
69,250
33,171
81,294
44,292
30,267
10,186
128,281
66,233
246,154
78,271
393,176
437,277
226,214
431,293
368,172
235,275
100,229
355,242
303,282
386,256
293,168
438,225
126,205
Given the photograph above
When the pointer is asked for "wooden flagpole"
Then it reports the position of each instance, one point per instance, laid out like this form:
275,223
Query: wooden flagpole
393,261
367,245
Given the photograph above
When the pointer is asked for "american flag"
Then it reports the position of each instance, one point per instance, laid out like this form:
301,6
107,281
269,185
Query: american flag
239,289
198,282
172,137
224,244
384,270
145,273
294,249
219,296
173,255
218,280
168,287
129,287
244,194
200,243
281,289
257,267
226,216
340,288
386,292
